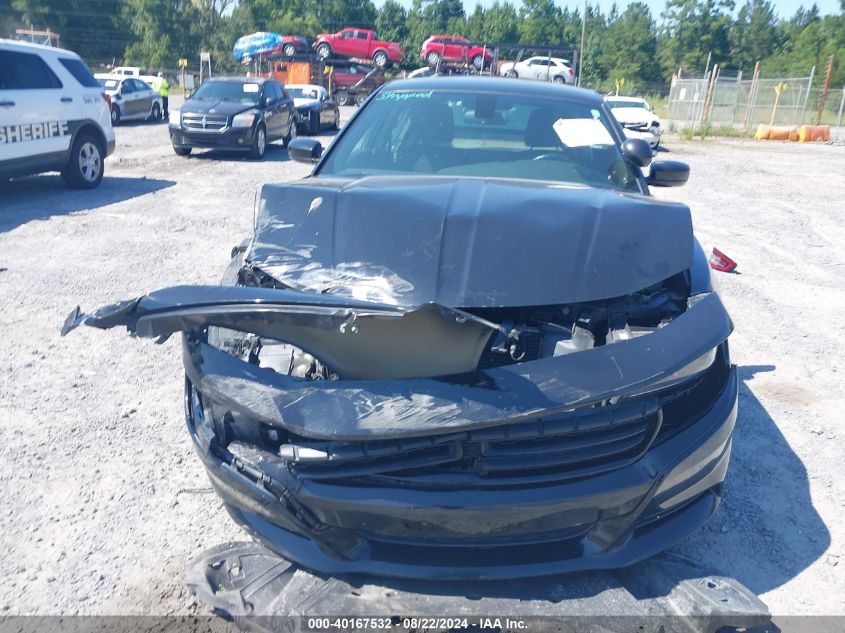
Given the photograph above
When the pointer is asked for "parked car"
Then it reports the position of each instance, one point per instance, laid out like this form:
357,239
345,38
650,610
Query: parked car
264,45
131,71
315,108
469,345
234,113
130,98
451,48
53,115
541,67
637,117
352,82
351,42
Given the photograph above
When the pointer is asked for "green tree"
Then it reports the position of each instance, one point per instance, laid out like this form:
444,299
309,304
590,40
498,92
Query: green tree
630,46
753,35
390,22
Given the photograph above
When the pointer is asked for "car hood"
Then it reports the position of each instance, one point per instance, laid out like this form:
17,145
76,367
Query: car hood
226,108
467,242
634,115
303,102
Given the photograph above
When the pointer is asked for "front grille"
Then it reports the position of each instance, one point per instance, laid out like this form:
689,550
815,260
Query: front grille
204,122
553,448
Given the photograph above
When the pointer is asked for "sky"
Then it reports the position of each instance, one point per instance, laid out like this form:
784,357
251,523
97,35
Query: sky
785,8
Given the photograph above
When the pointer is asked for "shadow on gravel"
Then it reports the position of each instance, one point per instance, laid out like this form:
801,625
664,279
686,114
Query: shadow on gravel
40,197
274,154
766,531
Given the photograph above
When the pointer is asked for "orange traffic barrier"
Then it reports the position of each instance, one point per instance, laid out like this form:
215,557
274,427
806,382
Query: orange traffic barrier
762,132
810,133
783,133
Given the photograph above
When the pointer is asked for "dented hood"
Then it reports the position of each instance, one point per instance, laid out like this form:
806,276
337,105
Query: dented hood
466,242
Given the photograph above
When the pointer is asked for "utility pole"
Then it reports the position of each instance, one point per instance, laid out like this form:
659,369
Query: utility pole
583,39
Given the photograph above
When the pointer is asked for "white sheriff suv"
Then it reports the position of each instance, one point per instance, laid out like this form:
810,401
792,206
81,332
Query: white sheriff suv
53,115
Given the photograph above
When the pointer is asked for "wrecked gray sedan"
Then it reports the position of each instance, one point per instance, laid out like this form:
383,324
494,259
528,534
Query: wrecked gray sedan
469,346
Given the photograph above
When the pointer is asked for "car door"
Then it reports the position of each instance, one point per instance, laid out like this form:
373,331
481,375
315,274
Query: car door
127,104
456,48
143,97
362,44
345,44
37,112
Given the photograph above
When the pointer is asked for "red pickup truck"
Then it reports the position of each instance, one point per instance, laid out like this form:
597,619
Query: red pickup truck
352,42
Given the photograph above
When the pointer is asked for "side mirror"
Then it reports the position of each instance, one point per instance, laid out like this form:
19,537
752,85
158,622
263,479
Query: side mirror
637,151
668,173
305,150
265,101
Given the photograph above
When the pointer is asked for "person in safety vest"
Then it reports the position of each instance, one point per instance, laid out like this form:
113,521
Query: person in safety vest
164,91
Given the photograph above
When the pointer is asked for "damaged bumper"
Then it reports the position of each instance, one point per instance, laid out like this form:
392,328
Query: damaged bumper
594,459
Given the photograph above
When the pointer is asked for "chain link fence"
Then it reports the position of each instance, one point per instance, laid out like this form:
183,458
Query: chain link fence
741,102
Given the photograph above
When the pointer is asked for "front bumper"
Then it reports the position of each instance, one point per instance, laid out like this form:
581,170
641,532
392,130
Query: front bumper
230,138
430,523
649,135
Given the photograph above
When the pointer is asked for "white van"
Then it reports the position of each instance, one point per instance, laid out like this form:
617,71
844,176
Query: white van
53,115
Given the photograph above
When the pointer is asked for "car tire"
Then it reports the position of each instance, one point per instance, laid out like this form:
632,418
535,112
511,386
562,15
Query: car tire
290,135
155,115
476,61
289,50
512,74
182,151
432,58
324,51
558,80
84,168
115,115
380,59
342,98
259,143
360,98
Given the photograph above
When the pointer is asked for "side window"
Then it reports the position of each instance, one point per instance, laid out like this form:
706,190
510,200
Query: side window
25,71
360,35
278,92
348,34
80,72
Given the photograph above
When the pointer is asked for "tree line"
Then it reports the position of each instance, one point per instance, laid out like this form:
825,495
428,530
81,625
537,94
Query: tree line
629,43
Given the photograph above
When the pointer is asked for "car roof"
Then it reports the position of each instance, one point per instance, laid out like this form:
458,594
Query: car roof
243,80
628,99
554,59
460,37
111,76
36,48
496,85
302,86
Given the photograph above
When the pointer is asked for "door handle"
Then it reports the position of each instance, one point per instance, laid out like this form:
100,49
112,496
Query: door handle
67,99
7,104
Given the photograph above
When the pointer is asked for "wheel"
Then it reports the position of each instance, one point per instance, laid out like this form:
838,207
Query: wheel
342,98
182,151
432,58
558,80
360,98
380,59
259,143
84,169
324,50
115,115
291,133
155,115
289,50
477,61
512,74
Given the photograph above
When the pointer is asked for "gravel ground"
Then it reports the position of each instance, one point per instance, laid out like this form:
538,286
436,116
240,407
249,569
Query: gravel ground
104,500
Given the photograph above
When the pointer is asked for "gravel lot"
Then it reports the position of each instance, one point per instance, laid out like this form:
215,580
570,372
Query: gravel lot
104,500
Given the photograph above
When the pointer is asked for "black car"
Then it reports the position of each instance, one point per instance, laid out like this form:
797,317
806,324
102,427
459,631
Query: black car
469,346
234,113
315,107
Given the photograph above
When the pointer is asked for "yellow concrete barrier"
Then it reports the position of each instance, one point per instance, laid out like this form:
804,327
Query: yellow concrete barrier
762,132
810,133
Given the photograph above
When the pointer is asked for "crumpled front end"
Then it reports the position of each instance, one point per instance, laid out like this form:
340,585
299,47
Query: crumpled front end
455,427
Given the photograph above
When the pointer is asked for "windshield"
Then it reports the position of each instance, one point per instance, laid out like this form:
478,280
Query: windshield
108,84
234,91
301,93
481,134
618,103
